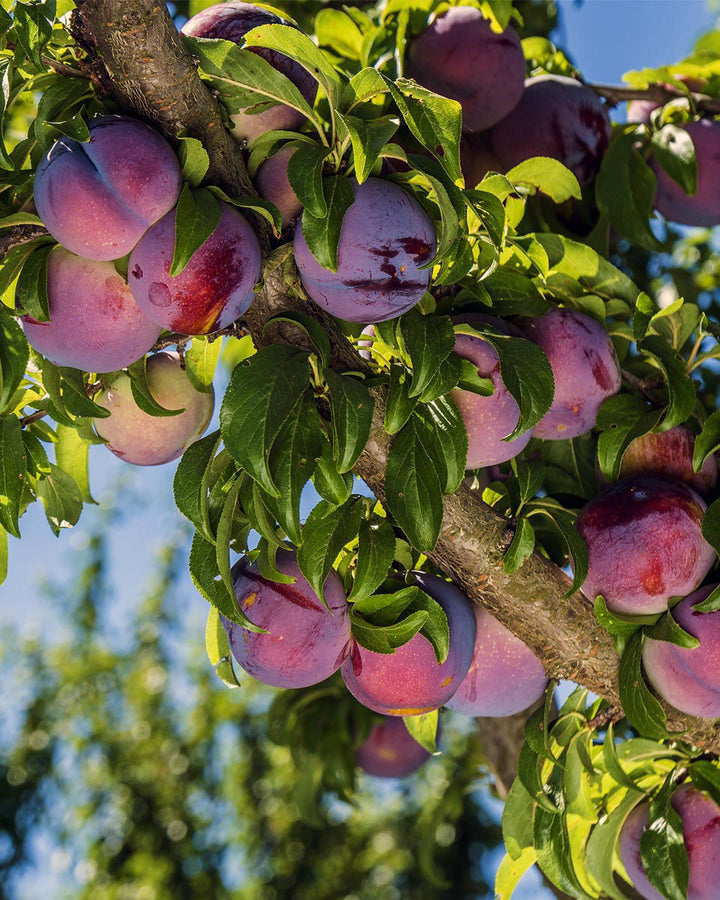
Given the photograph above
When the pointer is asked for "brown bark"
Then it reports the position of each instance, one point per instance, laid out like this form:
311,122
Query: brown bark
153,77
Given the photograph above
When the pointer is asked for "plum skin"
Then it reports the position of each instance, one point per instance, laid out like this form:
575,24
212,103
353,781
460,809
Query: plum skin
488,420
701,831
145,440
98,198
703,207
95,324
306,642
212,291
584,365
505,677
645,544
688,677
557,117
411,681
386,236
461,57
272,183
231,21
390,751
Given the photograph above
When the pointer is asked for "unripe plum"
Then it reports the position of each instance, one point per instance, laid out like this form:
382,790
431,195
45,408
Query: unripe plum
668,454
273,184
701,831
557,117
688,677
411,681
703,207
505,676
95,325
212,291
98,198
145,440
645,544
461,57
386,236
305,642
231,22
584,365
390,751
487,419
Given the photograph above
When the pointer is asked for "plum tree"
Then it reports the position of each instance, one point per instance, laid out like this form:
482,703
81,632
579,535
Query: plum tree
701,832
94,324
703,207
688,677
272,183
305,641
460,56
654,526
145,440
557,117
215,287
390,751
505,676
231,21
98,198
386,237
585,368
410,681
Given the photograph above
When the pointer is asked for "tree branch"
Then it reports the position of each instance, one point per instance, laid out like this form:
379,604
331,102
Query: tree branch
615,93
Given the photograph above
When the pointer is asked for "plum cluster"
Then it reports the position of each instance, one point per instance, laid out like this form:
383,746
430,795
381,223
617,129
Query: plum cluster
488,671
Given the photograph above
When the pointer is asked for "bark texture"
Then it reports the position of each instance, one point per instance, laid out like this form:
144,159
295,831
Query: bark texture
152,76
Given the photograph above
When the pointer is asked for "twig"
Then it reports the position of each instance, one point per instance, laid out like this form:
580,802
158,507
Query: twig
615,93
33,417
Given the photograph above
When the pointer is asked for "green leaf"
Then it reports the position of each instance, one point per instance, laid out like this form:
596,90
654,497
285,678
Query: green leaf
14,355
601,847
429,340
194,160
312,328
667,629
386,638
622,418
74,386
681,388
262,393
548,176
31,294
322,234
673,148
3,554
328,482
142,395
521,547
196,218
510,871
400,404
705,776
711,528
364,85
576,782
712,602
708,441
351,407
413,489
619,627
207,579
201,359
447,440
662,846
643,711
517,818
61,499
375,554
612,761
337,33
304,172
424,728
224,534
554,855
326,531
216,640
12,473
368,138
71,455
190,485
625,191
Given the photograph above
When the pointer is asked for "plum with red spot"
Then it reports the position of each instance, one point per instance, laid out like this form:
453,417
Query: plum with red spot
305,641
410,681
461,57
701,832
703,207
98,198
215,287
94,324
505,677
688,677
231,22
272,183
386,237
144,440
645,544
668,454
390,751
488,420
557,117
584,365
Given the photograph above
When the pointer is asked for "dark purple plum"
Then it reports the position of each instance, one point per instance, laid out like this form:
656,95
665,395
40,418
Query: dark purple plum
701,831
703,207
390,751
99,198
95,325
411,681
584,365
557,117
273,184
505,676
212,291
305,642
386,236
231,22
645,544
461,57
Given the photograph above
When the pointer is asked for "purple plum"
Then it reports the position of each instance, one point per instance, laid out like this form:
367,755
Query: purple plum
390,751
272,183
703,207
